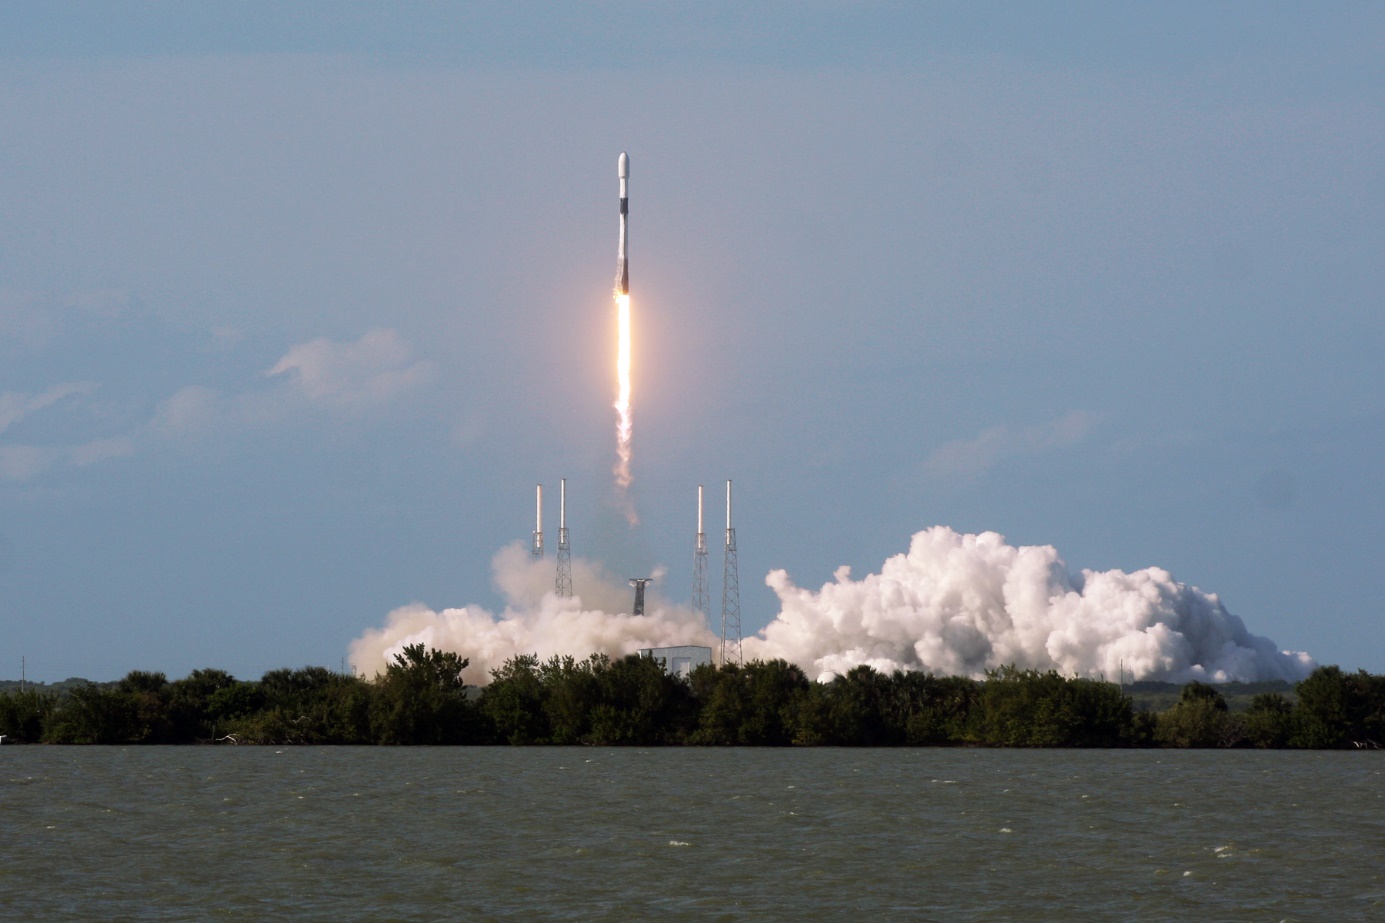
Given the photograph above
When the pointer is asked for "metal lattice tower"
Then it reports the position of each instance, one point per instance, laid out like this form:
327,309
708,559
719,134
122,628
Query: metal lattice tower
563,584
700,600
536,550
730,595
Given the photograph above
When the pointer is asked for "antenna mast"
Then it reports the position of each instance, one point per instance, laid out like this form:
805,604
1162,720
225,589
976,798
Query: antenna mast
700,601
563,584
730,595
536,552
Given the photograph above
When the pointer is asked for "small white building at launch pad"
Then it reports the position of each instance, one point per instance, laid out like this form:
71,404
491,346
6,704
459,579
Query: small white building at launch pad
679,661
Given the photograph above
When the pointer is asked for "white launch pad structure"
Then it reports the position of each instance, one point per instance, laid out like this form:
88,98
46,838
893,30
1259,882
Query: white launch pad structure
729,648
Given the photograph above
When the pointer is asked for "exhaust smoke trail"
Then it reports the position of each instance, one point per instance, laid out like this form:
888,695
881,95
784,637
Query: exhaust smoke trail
624,426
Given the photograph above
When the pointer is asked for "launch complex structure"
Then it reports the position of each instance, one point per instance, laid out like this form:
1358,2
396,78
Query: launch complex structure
730,648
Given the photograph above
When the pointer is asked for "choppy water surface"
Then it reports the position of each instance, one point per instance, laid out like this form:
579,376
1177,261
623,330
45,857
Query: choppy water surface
193,833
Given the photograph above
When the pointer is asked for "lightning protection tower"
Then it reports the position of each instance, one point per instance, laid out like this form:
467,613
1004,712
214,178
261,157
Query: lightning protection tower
700,601
639,583
536,551
730,595
563,584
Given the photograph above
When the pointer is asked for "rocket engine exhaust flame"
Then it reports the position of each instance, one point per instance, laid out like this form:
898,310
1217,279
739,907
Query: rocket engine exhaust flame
622,404
624,426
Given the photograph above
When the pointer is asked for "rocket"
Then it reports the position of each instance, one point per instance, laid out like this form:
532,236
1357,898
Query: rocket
622,269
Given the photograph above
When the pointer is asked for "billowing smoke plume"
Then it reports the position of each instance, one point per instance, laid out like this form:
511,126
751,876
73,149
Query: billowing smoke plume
962,604
534,621
954,604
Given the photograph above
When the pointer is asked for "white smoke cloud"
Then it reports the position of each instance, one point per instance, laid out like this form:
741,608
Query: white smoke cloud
534,620
953,605
961,604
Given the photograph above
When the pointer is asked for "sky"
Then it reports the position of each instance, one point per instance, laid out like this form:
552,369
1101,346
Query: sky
298,302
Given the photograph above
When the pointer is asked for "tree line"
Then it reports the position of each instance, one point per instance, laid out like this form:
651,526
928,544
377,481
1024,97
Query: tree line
422,698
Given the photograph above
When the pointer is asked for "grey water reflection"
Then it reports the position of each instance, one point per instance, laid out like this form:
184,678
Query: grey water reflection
203,833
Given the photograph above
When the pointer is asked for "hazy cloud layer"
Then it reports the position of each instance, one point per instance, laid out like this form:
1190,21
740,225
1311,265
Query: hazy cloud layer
20,461
351,378
968,459
369,372
15,406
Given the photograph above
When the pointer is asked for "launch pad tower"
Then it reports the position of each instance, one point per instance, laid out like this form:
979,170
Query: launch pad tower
730,595
700,601
562,585
536,550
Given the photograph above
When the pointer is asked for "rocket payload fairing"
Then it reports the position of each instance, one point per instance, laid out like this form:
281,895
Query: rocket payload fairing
622,268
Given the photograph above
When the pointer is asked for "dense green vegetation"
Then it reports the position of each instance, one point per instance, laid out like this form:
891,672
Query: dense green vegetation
1153,695
422,699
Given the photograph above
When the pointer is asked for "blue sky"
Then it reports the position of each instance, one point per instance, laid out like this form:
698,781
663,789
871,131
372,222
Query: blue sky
297,304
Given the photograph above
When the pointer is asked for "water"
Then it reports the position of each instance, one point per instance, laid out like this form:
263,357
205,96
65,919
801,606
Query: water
211,833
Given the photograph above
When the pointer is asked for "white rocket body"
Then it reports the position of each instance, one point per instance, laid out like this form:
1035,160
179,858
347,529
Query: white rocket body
622,268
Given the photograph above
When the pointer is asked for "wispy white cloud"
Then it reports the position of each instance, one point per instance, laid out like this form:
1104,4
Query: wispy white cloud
16,405
20,462
187,410
355,376
968,459
344,377
23,462
369,372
